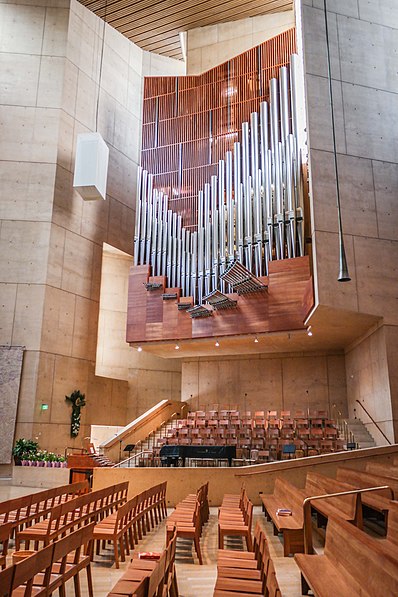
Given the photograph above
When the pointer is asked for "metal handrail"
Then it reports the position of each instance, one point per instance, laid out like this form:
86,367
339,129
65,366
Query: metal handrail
132,458
373,421
308,546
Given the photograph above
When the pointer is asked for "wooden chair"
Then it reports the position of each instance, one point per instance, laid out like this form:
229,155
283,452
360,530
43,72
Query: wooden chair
186,528
117,532
237,528
132,580
5,534
69,560
271,584
6,577
34,569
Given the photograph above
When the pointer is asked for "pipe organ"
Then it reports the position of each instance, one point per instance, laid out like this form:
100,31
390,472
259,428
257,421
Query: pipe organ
220,193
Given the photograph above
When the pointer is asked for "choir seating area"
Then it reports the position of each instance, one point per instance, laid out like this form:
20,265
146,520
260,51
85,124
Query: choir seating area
259,436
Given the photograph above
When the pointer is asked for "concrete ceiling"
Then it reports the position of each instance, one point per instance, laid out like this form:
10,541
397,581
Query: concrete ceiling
155,25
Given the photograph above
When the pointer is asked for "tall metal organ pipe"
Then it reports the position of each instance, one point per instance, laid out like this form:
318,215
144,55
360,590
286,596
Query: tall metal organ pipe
251,210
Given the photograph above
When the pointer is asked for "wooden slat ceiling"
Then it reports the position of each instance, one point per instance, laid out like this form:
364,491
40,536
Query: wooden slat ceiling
155,25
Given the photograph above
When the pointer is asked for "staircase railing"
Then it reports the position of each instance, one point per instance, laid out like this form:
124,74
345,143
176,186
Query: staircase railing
374,422
132,458
344,429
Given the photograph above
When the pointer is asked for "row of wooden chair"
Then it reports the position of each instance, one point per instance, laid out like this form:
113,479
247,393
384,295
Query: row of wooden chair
29,509
247,572
189,517
257,414
125,527
150,577
47,570
235,519
65,517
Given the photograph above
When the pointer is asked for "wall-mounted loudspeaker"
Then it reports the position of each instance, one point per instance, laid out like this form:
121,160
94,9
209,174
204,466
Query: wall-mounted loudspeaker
91,166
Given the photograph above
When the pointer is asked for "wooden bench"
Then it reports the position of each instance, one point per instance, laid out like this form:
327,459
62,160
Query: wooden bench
288,496
379,500
392,527
353,563
348,507
384,470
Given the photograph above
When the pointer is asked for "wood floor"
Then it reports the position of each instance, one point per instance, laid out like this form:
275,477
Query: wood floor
193,580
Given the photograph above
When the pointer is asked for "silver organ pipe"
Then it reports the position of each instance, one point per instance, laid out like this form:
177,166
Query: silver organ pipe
250,211
138,204
221,220
214,233
230,208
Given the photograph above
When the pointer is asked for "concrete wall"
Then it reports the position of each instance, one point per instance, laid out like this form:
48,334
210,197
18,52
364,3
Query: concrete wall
212,45
363,41
271,382
150,378
372,379
55,82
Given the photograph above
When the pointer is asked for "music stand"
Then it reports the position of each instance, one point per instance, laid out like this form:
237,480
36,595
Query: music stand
129,448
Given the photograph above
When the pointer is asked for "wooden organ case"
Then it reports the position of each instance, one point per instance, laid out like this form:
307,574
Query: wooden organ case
219,245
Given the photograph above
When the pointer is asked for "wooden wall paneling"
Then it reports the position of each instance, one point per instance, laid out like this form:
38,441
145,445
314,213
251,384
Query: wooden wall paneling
225,96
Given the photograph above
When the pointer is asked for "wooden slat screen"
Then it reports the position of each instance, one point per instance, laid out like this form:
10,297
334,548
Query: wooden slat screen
190,122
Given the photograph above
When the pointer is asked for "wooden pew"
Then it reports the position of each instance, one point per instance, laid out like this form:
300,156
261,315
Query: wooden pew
384,470
348,507
288,496
353,563
392,527
379,500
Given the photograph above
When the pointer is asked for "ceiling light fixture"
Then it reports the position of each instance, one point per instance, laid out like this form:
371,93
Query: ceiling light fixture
256,340
217,343
177,347
139,349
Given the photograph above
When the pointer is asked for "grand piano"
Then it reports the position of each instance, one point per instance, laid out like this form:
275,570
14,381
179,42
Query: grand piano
172,455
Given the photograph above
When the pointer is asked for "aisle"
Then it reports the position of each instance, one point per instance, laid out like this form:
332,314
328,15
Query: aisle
195,580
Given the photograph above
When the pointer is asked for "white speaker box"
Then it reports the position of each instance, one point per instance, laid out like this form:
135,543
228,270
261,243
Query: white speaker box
91,166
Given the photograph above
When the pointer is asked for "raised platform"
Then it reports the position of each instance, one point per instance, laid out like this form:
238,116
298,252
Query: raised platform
257,478
283,307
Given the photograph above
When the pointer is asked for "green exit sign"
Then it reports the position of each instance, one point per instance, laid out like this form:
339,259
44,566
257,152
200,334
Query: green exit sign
44,407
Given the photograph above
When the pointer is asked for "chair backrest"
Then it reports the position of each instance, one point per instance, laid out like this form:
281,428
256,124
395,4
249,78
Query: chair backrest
5,534
156,578
142,589
72,543
6,581
26,570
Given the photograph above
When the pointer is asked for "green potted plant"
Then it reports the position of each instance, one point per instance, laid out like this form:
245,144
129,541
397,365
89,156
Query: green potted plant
24,448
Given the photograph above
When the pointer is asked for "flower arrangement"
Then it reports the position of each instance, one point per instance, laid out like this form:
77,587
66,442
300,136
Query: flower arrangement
44,458
78,401
24,447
